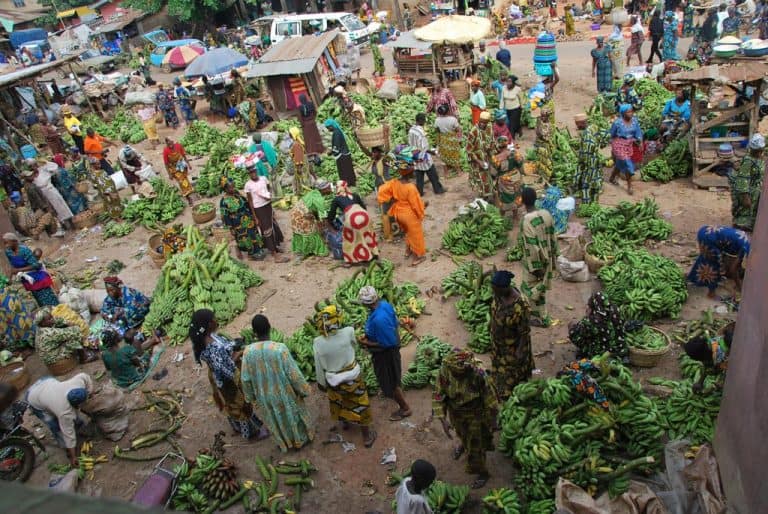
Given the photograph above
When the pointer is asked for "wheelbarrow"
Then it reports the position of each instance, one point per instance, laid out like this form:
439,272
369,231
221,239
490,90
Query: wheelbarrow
160,486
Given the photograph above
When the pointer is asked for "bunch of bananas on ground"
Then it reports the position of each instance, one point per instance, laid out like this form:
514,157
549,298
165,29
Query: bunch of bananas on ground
687,413
425,366
708,325
189,498
117,229
444,498
86,463
473,284
626,225
540,507
501,501
482,230
644,286
220,482
646,338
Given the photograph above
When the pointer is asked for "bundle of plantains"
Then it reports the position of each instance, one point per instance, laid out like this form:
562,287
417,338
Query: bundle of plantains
654,97
423,371
124,126
644,286
675,161
473,285
626,226
200,277
150,212
481,230
690,414
442,497
552,431
565,161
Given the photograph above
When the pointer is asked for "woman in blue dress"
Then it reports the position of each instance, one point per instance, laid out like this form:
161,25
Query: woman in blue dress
669,48
625,135
37,281
185,101
722,251
65,183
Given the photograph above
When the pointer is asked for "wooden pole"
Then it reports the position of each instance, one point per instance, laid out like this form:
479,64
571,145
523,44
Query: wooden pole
14,129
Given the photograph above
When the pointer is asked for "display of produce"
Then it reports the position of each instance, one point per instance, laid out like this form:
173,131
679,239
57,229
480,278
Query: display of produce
125,126
473,285
644,286
674,161
200,137
482,230
587,210
151,212
200,277
654,96
501,501
117,229
425,366
646,338
629,223
565,161
442,497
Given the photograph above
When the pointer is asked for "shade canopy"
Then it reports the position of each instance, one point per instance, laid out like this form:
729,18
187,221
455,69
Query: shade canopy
455,29
215,62
181,56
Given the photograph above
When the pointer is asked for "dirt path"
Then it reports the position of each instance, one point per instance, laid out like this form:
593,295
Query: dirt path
340,481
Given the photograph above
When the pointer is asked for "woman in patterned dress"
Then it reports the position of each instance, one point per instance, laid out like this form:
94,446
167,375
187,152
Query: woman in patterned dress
602,330
177,166
480,150
223,360
165,103
688,29
602,66
669,46
238,218
747,184
448,140
22,260
107,190
359,237
722,251
65,183
273,383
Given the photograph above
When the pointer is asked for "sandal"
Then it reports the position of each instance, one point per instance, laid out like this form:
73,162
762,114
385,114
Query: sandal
418,261
458,452
480,481
371,439
399,415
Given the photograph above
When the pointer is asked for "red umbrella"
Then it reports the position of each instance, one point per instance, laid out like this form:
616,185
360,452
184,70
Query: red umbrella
180,56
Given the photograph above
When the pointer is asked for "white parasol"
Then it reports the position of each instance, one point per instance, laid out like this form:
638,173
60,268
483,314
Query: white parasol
455,29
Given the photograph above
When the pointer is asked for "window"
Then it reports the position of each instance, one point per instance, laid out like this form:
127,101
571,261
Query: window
352,22
18,3
287,29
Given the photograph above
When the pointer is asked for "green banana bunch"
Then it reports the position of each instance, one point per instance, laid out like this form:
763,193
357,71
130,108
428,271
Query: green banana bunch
473,284
646,338
540,507
501,501
690,414
423,370
627,225
446,498
481,230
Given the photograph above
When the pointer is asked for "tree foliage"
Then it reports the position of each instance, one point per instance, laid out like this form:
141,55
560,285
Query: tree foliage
148,6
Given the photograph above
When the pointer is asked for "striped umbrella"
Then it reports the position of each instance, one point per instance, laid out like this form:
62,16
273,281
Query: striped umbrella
180,56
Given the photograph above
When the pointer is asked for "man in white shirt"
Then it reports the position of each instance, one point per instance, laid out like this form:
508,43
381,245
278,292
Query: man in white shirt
722,13
417,138
410,495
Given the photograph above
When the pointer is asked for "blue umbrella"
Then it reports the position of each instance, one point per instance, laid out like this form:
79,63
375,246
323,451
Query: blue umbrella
214,62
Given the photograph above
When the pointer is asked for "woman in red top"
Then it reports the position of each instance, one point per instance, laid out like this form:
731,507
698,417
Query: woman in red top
500,128
175,160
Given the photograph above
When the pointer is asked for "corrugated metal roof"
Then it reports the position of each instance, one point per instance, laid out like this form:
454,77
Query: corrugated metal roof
408,40
23,73
292,56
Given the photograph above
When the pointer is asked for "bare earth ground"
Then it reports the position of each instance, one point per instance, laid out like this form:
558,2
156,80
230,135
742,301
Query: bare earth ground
298,285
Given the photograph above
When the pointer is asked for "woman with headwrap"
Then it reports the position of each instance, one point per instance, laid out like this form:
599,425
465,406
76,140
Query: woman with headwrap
52,137
746,185
54,340
302,176
184,97
272,381
56,404
340,152
713,353
616,45
42,178
308,119
406,207
449,139
722,254
378,59
359,237
223,358
511,355
480,151
637,40
465,398
338,373
625,135
237,216
178,168
308,220
669,46
602,66
124,307
35,280
65,184
128,363
544,143
600,331
106,188
476,101
500,128
259,197
164,102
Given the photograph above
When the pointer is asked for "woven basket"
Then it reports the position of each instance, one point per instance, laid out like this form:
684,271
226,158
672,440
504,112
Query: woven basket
96,207
371,136
220,233
405,88
63,366
649,358
156,242
203,217
460,89
595,263
15,374
85,219
83,186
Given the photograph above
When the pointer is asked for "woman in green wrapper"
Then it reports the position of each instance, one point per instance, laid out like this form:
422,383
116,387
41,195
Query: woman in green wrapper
465,398
307,219
238,218
54,340
544,141
128,363
746,185
107,190
378,59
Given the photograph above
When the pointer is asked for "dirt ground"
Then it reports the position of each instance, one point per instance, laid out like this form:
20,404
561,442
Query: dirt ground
354,482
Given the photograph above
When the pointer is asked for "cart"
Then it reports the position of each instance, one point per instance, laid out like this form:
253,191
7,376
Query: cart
160,486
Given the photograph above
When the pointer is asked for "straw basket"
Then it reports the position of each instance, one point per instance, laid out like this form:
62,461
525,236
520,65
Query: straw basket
220,233
405,88
96,207
203,217
15,374
371,136
82,187
63,366
85,219
595,263
155,242
649,358
460,89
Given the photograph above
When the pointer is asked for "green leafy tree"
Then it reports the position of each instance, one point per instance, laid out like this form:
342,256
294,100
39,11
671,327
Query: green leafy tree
148,6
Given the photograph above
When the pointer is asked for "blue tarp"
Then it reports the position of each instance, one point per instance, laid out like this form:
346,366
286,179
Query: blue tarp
214,62
19,37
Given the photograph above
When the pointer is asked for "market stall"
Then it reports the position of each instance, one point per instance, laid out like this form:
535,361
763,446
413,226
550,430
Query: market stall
450,37
720,113
414,58
302,65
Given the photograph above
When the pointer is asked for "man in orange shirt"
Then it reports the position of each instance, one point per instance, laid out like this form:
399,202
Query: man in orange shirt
94,148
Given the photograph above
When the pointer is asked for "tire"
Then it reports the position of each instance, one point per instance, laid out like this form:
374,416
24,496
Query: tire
17,460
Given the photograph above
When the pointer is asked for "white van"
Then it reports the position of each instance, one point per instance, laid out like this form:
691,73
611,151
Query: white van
296,25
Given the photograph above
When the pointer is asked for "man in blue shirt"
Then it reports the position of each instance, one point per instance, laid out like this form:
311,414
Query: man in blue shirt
383,341
503,56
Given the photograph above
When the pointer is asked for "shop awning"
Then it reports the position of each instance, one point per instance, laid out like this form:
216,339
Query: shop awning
77,11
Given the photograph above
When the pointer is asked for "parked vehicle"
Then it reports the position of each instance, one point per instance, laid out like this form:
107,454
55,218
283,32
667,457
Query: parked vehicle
101,63
163,44
17,445
297,25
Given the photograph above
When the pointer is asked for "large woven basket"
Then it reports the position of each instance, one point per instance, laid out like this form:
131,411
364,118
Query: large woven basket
85,219
595,263
155,242
405,88
221,233
15,374
96,207
460,89
371,136
649,358
63,366
83,186
203,217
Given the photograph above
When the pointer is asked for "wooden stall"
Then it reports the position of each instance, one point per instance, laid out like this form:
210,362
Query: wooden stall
302,65
715,119
451,38
413,57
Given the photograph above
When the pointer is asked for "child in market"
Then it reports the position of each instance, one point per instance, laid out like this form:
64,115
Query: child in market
410,495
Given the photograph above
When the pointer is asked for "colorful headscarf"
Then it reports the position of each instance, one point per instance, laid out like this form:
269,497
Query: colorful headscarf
460,361
500,114
332,124
624,108
578,371
296,135
368,295
328,320
342,189
112,282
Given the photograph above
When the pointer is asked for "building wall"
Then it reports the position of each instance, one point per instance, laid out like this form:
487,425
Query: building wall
743,421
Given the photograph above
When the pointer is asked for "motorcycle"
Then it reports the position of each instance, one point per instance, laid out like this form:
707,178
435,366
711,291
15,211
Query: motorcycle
17,445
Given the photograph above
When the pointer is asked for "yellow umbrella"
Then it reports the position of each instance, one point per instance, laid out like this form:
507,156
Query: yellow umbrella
455,29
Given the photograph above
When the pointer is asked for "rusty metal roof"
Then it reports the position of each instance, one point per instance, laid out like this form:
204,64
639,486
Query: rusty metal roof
742,72
293,56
